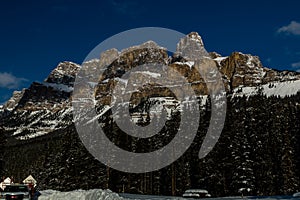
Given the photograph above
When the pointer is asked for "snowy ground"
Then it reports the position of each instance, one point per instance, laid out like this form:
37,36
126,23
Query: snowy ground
98,194
95,194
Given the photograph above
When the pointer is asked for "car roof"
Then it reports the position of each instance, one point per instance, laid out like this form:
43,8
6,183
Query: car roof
196,191
15,188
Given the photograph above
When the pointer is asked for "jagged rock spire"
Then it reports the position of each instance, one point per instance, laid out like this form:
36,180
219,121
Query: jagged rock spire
191,47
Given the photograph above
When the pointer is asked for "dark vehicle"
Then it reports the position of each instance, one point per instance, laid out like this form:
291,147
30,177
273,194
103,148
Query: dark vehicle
15,192
296,195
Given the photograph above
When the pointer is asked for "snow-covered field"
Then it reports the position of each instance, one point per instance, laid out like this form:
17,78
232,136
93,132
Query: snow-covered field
98,194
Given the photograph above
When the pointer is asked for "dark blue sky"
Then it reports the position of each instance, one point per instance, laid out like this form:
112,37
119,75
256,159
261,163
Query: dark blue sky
37,35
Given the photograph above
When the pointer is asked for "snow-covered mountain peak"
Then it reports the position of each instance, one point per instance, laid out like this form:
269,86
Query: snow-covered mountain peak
43,107
191,47
107,57
64,73
196,37
146,45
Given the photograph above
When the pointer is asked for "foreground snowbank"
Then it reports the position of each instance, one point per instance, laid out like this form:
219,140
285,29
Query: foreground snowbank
98,194
95,194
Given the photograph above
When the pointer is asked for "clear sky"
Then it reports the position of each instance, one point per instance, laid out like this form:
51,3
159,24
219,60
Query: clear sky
37,35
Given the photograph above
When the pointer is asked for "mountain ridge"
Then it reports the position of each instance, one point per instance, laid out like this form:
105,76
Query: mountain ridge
239,70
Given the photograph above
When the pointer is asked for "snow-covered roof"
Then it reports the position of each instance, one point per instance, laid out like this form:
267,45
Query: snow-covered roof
29,179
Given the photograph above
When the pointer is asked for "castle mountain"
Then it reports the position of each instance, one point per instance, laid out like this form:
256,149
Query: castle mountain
258,152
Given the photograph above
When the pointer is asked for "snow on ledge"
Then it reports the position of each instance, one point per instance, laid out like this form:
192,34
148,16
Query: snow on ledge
281,89
59,87
220,59
188,63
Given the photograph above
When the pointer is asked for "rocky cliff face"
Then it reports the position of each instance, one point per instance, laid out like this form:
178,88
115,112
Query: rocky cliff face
246,70
37,128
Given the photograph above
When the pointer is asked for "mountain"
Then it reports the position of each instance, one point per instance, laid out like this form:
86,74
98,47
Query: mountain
43,107
258,152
